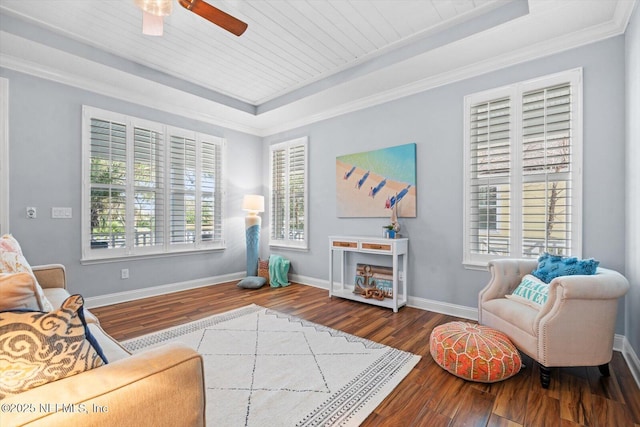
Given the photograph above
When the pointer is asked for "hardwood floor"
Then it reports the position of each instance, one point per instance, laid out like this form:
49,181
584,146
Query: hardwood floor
428,396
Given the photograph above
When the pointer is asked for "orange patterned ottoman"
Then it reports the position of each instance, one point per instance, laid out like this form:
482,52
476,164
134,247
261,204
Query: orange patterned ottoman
474,352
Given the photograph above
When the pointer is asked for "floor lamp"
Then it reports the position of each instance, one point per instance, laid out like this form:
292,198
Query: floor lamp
252,204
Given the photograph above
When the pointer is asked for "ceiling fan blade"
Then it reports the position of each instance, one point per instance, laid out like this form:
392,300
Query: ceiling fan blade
215,15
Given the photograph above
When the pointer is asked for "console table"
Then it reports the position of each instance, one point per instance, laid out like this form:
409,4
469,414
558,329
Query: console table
397,249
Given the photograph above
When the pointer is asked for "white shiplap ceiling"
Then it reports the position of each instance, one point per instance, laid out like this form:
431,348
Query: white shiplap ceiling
288,44
299,60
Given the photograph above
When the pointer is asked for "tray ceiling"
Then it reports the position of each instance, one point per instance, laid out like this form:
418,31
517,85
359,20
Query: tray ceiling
288,44
299,61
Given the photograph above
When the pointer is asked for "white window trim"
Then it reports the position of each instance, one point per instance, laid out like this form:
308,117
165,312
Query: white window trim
515,91
4,155
288,243
166,249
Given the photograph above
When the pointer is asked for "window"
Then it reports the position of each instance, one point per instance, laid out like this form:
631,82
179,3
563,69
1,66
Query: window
523,161
288,167
148,188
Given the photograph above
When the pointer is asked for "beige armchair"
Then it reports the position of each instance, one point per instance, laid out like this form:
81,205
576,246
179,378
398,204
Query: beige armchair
575,327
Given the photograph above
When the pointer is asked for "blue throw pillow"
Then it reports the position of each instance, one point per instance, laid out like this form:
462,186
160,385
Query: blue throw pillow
252,282
552,266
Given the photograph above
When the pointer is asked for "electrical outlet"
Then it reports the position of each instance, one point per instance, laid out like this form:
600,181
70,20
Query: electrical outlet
31,213
401,276
124,273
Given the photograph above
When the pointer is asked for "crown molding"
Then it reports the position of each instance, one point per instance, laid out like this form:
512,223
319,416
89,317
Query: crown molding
101,79
537,51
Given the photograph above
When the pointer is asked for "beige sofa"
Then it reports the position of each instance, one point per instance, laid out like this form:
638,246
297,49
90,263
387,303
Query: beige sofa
576,325
163,386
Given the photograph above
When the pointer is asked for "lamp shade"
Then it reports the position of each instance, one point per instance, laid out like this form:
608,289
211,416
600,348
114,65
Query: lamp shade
152,25
155,7
253,203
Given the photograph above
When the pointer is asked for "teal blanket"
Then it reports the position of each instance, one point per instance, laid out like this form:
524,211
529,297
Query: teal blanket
278,271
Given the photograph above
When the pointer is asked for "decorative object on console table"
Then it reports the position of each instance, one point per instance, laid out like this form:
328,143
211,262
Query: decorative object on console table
252,204
394,227
374,281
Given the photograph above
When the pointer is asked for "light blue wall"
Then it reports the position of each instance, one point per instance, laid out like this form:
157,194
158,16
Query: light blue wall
434,121
45,171
45,167
632,331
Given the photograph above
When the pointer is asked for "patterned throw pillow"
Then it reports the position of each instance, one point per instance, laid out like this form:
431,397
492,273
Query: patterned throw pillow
37,348
552,266
263,268
12,261
531,291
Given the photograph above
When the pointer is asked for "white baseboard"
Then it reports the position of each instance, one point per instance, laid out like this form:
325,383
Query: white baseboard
119,297
310,281
462,311
632,359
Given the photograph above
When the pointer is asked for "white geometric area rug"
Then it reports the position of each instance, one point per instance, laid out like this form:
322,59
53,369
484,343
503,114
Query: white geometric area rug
265,368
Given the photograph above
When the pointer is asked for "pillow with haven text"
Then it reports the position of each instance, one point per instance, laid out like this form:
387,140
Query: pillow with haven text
531,291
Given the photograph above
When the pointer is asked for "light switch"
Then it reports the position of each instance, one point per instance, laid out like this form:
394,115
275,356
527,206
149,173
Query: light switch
61,213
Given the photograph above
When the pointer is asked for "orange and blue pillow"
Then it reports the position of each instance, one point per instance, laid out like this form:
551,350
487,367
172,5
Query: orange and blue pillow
37,347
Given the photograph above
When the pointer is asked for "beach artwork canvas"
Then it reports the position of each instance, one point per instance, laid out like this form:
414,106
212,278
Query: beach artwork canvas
371,183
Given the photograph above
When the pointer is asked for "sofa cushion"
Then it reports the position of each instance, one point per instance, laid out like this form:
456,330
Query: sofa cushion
18,291
110,347
13,261
474,352
522,316
552,266
37,348
531,291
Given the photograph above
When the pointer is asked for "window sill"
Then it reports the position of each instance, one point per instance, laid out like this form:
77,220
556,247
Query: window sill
288,247
120,258
475,265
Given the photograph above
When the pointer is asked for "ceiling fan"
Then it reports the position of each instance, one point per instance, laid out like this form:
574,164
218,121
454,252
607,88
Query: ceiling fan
155,10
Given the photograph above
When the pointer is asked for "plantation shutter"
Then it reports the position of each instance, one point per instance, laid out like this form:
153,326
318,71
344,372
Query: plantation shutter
148,188
182,183
148,191
211,193
490,169
108,180
278,193
546,168
288,193
296,174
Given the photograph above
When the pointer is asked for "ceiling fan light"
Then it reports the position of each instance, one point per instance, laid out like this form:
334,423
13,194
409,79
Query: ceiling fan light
155,7
152,25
